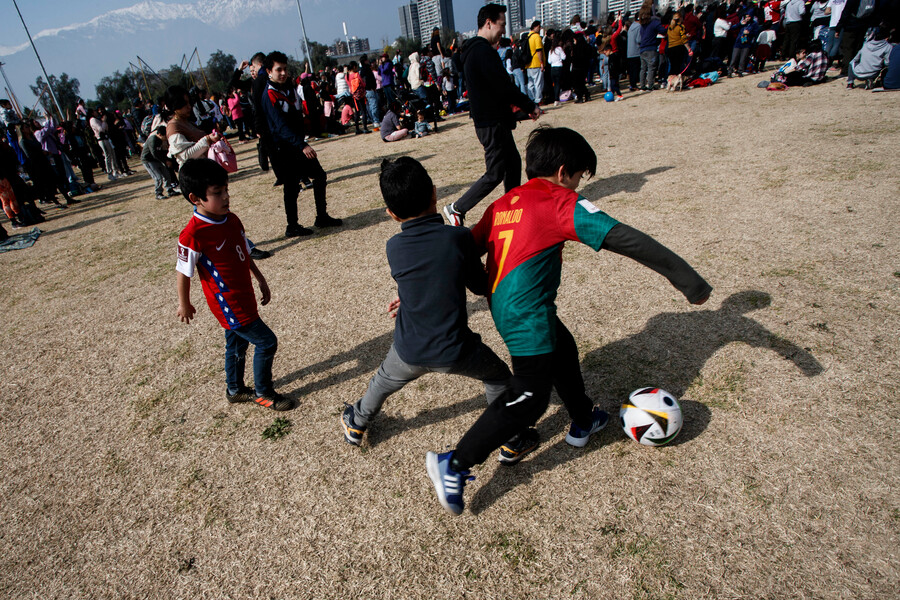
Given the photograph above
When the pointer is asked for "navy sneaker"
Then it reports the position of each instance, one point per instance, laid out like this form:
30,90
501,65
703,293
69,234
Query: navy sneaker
579,437
448,484
519,446
454,217
353,433
244,394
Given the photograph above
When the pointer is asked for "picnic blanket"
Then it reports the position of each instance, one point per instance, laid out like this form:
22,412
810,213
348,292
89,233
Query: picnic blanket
20,240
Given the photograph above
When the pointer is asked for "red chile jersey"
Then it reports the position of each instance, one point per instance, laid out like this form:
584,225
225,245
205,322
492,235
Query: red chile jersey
220,252
523,233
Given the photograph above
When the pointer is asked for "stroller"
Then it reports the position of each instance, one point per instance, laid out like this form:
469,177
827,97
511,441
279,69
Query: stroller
411,104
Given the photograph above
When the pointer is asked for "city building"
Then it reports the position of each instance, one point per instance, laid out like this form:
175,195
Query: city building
558,13
409,21
435,13
356,46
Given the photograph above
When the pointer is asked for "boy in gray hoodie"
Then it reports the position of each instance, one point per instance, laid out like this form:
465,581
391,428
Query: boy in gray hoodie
869,61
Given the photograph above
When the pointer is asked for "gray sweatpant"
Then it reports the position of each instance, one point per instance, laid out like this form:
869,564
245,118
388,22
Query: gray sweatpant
481,363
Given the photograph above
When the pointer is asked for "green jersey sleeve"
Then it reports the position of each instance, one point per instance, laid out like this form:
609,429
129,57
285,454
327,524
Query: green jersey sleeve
591,223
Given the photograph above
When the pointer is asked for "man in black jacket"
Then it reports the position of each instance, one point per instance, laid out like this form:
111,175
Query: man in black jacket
492,94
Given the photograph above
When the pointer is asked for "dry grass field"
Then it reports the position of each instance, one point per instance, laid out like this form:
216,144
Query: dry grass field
126,474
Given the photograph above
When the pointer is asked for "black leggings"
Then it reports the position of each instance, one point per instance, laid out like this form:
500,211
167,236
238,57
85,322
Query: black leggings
528,398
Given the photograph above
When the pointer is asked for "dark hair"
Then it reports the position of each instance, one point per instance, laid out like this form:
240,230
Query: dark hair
174,97
197,174
275,57
550,148
405,186
490,12
534,24
259,57
815,46
161,130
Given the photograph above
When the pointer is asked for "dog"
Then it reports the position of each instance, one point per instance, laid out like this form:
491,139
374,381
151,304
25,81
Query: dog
675,83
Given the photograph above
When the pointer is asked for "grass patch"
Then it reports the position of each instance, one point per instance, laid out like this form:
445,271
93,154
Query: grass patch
279,428
721,387
514,548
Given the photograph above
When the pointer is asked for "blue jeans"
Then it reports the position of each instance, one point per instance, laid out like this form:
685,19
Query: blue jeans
832,43
389,94
518,76
372,106
604,71
236,343
536,85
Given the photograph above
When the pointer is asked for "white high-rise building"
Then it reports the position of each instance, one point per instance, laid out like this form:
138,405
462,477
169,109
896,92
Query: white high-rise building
409,21
515,13
435,13
558,13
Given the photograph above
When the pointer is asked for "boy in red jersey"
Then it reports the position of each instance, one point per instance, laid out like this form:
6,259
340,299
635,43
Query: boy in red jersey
523,234
214,240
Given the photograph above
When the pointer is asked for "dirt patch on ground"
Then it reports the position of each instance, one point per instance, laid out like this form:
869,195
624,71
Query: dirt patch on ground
127,475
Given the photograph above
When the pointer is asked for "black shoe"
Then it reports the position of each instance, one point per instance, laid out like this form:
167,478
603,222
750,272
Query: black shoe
277,183
257,254
297,231
72,201
519,446
328,221
245,394
353,433
275,401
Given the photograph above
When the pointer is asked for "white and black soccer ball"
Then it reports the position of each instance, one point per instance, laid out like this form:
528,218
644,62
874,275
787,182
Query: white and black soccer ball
651,416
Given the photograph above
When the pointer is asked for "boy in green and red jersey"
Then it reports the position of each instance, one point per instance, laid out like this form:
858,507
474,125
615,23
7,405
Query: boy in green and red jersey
523,234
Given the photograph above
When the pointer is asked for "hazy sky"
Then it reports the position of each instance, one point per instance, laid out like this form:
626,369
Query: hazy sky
89,40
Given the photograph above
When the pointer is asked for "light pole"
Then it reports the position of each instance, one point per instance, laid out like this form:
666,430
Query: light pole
312,69
40,62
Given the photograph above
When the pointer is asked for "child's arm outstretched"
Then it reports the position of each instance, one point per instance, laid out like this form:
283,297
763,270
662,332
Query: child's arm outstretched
263,286
639,246
186,310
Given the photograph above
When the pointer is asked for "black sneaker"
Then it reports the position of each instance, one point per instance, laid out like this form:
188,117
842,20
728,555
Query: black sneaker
245,394
257,254
519,446
275,401
328,221
353,433
297,231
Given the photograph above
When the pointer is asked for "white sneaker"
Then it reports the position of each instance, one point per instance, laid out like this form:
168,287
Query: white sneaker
454,217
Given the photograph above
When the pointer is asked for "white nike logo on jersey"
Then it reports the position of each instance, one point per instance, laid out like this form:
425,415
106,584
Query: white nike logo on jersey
521,398
219,247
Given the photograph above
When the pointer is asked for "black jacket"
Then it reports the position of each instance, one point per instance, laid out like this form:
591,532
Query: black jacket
491,91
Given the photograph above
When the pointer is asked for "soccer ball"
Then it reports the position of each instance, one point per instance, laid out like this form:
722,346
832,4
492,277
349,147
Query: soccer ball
651,416
609,96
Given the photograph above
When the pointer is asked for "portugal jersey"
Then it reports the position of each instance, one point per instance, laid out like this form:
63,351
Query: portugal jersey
219,250
523,233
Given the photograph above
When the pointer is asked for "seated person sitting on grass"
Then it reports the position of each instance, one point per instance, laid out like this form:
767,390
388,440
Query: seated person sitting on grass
870,60
214,243
892,74
811,66
391,127
422,128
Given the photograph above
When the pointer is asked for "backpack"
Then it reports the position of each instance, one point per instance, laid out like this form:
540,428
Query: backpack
523,51
146,124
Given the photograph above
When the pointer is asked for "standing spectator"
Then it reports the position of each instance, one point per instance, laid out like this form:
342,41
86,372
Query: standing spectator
205,111
388,79
721,27
153,157
237,114
651,30
491,93
794,27
39,168
186,140
414,77
747,33
694,30
100,126
676,49
634,55
285,120
557,59
538,64
365,71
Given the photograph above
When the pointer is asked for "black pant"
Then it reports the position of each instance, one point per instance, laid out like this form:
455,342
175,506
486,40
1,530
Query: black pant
502,163
528,398
291,166
793,36
634,71
851,42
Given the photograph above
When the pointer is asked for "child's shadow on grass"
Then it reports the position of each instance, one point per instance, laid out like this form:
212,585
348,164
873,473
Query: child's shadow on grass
670,352
630,183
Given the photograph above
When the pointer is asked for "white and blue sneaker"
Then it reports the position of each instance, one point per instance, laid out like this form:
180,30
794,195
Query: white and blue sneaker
448,484
579,437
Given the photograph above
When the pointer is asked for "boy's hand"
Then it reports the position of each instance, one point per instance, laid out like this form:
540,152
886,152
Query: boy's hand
393,307
244,65
264,288
308,152
186,312
536,113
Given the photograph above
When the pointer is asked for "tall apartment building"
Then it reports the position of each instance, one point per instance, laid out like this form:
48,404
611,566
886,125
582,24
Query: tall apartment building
435,13
515,13
409,21
559,12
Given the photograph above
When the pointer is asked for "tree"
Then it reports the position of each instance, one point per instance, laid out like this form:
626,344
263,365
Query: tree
406,46
65,88
118,90
218,70
320,58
